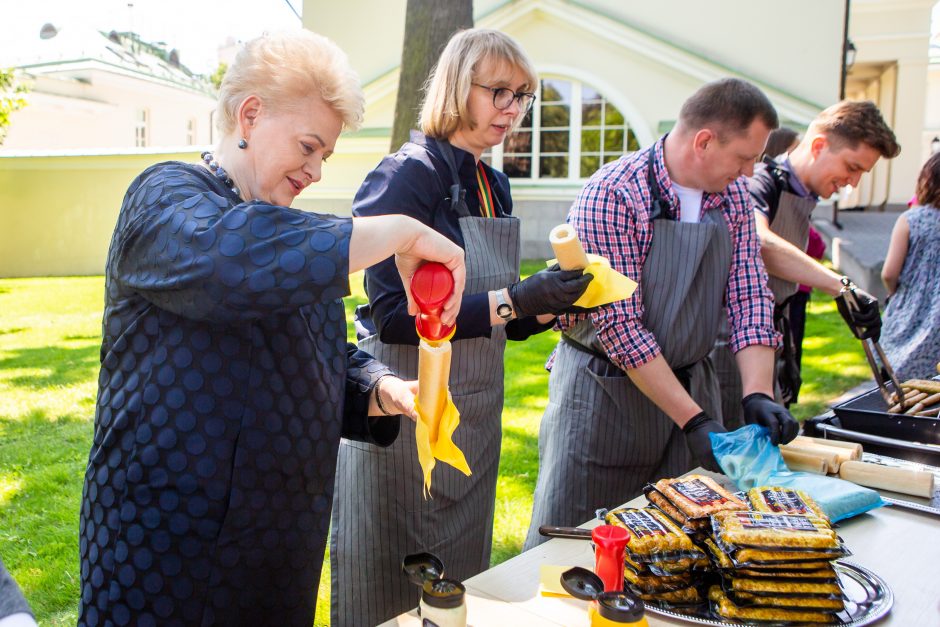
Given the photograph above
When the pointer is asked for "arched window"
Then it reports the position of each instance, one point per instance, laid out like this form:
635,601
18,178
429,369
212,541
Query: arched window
571,131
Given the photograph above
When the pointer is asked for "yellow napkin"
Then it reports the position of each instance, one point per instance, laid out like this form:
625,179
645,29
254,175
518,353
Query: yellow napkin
444,448
606,287
550,580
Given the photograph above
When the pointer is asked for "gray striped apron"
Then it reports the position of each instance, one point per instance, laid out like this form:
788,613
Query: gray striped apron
379,513
601,439
790,222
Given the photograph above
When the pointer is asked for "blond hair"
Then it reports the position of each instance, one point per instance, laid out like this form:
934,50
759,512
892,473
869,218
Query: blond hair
283,68
448,87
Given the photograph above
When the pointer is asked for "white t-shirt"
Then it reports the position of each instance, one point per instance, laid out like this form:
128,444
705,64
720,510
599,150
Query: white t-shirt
690,202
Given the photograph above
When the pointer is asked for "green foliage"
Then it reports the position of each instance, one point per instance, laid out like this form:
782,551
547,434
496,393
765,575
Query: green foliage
219,74
12,92
50,334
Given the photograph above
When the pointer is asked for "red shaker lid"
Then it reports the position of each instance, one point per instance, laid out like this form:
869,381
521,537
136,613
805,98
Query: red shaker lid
431,286
610,536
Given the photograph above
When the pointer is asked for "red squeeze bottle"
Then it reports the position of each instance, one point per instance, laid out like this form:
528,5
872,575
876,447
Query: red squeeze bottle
610,542
431,286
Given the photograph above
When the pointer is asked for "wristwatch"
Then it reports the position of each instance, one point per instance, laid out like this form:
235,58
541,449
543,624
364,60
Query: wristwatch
503,309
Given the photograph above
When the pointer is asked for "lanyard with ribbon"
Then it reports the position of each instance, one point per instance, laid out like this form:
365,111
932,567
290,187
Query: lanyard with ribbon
484,193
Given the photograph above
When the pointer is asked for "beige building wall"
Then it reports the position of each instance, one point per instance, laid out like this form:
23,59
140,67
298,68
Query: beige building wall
647,57
611,46
932,118
776,37
57,213
891,68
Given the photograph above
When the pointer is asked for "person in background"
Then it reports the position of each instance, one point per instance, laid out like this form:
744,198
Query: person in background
14,610
780,141
631,390
796,305
479,91
226,380
911,273
843,142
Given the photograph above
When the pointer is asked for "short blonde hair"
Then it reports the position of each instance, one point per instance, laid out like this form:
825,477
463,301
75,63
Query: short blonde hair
282,68
447,90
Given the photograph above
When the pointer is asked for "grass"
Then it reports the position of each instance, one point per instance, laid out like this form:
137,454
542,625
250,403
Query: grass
49,343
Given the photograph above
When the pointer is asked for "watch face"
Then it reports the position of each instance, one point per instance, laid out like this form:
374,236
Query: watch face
504,311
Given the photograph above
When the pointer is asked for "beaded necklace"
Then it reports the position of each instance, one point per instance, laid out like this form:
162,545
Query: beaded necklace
220,172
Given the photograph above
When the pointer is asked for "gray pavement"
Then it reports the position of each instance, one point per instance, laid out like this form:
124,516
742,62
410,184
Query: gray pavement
858,249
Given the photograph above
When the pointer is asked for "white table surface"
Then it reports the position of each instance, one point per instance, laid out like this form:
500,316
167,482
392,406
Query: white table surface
899,545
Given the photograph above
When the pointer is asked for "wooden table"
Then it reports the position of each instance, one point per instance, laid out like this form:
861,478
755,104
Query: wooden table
899,545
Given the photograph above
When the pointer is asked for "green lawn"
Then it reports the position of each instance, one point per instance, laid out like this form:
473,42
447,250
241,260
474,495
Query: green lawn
49,341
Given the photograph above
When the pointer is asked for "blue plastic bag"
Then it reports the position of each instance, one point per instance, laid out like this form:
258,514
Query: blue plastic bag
750,460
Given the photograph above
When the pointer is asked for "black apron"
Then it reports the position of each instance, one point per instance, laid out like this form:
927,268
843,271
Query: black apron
601,439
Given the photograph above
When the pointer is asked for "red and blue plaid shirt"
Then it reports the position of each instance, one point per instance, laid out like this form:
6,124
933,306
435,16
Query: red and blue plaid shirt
611,216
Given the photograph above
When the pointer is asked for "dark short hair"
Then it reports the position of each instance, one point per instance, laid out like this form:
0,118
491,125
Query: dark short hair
850,122
729,105
928,182
779,140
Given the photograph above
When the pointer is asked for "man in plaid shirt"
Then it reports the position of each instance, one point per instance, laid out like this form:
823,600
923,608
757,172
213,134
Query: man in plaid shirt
631,389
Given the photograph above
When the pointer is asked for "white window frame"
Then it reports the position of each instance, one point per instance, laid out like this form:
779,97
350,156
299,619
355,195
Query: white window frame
142,128
631,123
191,132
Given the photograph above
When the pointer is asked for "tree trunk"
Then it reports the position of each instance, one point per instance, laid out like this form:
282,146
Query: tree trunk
429,25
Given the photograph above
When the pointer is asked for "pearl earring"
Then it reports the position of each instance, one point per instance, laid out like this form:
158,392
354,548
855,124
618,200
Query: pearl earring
242,143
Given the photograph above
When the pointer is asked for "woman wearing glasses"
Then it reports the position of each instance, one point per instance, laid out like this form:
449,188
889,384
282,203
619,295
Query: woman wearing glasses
477,94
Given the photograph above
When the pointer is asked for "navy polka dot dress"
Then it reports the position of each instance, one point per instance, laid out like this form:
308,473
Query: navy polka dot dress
226,383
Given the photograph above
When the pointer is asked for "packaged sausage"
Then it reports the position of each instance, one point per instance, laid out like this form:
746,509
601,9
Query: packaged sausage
827,573
691,526
655,538
685,596
698,496
725,607
779,500
650,583
782,532
822,604
783,587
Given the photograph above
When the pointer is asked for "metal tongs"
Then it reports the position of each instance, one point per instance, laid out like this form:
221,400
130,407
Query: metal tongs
849,299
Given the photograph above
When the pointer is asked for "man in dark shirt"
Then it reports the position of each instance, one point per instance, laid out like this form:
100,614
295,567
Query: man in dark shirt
842,143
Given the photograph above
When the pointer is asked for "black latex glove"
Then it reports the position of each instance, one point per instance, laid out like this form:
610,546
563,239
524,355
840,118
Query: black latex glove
760,409
550,291
863,317
696,433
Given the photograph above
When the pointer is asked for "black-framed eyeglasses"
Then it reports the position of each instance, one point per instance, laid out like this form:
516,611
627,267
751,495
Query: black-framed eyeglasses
503,97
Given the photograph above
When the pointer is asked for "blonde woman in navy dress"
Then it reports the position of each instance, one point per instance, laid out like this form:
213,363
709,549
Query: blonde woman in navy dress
226,380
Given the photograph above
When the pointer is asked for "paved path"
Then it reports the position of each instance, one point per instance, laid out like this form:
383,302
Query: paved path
858,249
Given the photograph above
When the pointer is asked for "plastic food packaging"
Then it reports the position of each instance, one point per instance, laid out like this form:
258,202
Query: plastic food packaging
821,604
750,460
779,500
698,496
768,531
766,587
655,538
725,607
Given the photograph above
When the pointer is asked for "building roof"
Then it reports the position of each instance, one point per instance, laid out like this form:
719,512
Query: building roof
56,50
